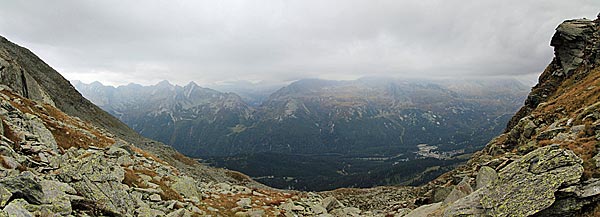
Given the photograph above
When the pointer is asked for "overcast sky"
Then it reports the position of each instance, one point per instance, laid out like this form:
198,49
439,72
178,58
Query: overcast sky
117,42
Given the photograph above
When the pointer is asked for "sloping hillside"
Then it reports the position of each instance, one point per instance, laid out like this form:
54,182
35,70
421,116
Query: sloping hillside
30,77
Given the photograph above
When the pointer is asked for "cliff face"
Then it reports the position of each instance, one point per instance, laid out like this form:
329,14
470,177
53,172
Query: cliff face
30,77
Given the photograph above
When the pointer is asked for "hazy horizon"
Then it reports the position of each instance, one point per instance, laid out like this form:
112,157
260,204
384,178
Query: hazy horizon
277,42
258,84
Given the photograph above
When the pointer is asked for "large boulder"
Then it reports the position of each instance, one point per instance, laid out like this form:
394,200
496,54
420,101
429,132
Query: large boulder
98,179
485,177
187,187
524,187
461,190
24,186
17,208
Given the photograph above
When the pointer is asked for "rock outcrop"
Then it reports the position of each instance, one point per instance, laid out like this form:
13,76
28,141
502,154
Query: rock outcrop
545,163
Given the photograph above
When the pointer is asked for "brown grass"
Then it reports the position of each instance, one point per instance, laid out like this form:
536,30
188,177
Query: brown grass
184,159
147,172
586,148
84,155
227,203
132,179
545,142
240,177
167,192
4,164
573,94
148,155
10,134
65,137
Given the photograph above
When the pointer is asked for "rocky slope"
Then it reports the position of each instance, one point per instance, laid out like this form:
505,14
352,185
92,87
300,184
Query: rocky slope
52,164
547,163
28,76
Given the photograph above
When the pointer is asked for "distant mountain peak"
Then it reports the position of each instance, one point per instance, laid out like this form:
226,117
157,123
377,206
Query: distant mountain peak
164,83
192,84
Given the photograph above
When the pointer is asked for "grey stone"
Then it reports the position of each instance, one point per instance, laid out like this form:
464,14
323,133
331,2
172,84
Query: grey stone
251,213
223,186
591,189
97,178
461,190
125,160
148,212
596,159
241,189
441,193
24,186
317,209
16,208
424,210
346,211
330,203
527,186
186,186
402,212
467,206
55,194
36,126
577,129
529,129
550,133
256,193
523,187
95,168
155,198
117,152
244,202
180,213
55,189
485,177
4,196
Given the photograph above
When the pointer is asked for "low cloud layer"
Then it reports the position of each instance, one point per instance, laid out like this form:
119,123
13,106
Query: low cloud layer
118,42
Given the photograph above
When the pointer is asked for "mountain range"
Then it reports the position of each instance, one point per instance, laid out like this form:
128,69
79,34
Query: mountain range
311,116
355,131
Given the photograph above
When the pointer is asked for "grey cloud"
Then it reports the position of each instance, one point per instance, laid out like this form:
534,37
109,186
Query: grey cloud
118,42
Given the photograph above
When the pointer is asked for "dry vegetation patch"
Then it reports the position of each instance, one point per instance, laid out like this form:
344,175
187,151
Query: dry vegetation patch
184,159
68,132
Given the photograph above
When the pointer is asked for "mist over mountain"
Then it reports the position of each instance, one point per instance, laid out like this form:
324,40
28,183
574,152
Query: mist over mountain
253,93
320,108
